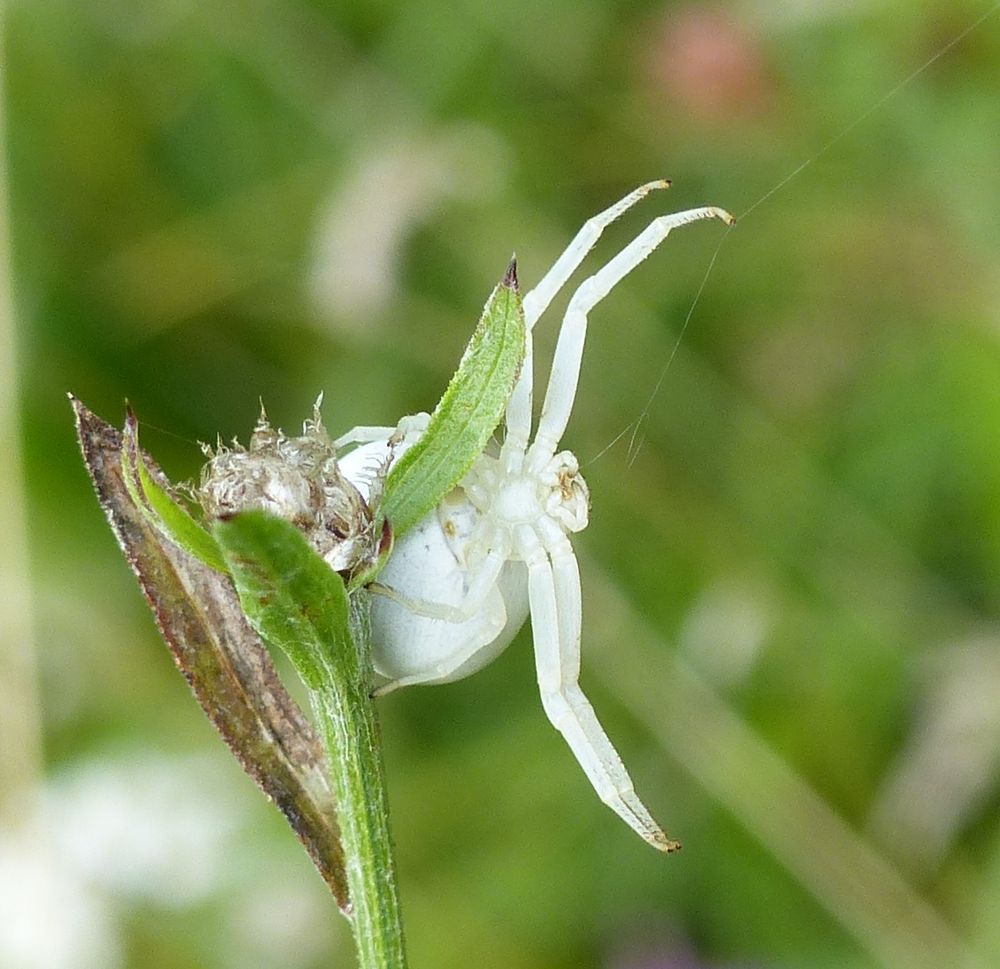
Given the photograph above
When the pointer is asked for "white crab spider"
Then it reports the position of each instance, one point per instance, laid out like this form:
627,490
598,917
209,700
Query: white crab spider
460,584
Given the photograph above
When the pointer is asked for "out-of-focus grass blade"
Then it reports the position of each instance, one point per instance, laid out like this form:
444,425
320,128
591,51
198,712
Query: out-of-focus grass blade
161,509
220,655
289,594
467,414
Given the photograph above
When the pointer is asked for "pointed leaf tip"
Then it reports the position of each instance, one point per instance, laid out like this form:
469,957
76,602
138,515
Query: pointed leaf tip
466,416
510,277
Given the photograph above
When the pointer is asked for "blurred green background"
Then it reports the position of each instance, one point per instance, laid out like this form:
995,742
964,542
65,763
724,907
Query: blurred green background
791,593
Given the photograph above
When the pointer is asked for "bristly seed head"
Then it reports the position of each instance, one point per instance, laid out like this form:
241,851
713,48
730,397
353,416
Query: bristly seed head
298,479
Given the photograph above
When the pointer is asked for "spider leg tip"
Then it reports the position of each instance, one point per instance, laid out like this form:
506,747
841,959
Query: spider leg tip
666,845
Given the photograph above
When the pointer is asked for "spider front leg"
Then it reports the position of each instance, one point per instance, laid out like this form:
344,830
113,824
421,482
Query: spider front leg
537,301
539,298
566,363
556,613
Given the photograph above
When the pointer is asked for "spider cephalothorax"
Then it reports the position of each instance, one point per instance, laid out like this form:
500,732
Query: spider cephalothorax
509,498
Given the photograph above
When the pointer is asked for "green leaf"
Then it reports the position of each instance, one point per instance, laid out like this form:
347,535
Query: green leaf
159,506
289,594
466,416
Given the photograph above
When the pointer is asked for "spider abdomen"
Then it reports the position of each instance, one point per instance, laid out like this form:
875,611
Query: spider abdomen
433,566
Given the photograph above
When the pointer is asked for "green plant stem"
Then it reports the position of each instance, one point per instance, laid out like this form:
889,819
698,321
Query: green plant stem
347,719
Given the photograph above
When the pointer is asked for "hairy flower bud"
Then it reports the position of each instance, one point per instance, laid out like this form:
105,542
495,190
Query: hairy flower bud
298,479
